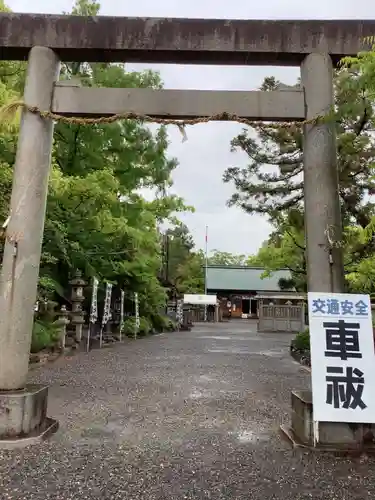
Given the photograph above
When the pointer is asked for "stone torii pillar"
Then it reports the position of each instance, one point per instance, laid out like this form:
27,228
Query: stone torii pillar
22,251
325,269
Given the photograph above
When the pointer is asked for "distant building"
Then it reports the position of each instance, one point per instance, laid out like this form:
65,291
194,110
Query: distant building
239,288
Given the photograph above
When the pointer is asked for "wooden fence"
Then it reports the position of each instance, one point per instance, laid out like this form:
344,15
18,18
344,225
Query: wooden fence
197,314
281,318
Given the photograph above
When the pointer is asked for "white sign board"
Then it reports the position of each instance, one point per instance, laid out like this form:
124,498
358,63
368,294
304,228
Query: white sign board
342,357
195,299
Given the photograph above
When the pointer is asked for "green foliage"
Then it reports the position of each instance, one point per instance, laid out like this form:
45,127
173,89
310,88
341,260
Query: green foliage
219,258
171,325
190,277
162,323
189,267
130,328
285,249
272,181
45,335
301,343
46,328
156,323
8,132
359,73
98,219
177,251
40,337
144,326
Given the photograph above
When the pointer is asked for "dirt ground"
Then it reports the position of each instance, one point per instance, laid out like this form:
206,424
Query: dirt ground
189,415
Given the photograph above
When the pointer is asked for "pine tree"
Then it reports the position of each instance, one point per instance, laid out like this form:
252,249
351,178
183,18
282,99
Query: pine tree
272,182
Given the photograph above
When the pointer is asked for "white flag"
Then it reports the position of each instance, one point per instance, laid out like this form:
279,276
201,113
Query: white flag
94,301
122,310
107,304
180,312
137,321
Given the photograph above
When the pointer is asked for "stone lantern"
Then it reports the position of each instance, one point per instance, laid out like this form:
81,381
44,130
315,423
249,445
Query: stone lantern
77,315
63,322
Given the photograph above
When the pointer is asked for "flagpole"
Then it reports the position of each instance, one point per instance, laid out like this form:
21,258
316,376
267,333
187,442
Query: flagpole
205,272
206,261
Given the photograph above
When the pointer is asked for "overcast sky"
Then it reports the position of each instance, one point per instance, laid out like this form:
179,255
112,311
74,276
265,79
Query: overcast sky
206,154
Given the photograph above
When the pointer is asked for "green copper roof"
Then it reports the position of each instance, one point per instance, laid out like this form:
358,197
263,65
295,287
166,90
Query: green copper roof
243,279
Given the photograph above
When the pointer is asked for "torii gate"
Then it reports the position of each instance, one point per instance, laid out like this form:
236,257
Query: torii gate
45,40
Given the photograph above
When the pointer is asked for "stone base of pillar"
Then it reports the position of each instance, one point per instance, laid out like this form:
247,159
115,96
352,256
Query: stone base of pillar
23,417
333,436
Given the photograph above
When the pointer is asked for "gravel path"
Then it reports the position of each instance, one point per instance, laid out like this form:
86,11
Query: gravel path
193,415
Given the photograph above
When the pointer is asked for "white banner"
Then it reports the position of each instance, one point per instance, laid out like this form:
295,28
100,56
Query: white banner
122,310
342,357
180,312
136,303
94,301
107,304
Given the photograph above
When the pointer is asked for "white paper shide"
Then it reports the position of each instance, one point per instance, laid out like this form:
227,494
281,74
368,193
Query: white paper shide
342,357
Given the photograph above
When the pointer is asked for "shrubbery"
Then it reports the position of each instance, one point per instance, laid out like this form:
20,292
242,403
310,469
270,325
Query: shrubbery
162,323
130,328
301,343
46,328
158,323
45,334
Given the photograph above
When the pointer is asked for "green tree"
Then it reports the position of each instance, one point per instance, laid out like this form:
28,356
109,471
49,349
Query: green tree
8,141
285,249
177,246
219,258
272,181
191,273
182,267
11,83
359,79
97,219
